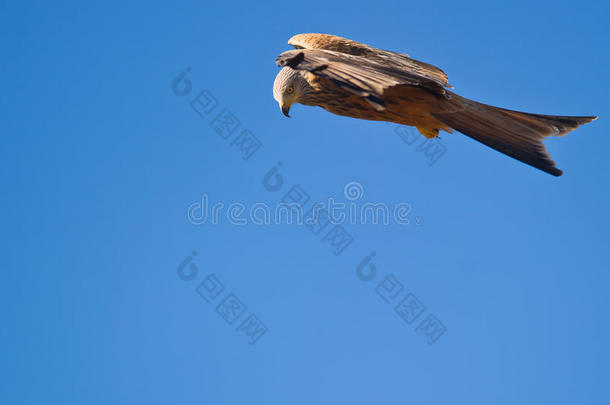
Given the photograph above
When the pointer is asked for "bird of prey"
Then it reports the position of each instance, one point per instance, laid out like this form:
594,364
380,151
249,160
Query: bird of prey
352,79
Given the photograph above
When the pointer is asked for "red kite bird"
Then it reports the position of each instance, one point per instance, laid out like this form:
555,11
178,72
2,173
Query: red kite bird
352,79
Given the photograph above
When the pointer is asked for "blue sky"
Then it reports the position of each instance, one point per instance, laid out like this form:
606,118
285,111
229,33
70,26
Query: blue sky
101,160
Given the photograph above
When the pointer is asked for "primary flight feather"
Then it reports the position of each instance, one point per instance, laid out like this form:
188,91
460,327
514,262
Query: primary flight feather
352,79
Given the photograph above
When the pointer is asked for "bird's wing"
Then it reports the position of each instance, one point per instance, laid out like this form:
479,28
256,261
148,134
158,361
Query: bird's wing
387,58
356,74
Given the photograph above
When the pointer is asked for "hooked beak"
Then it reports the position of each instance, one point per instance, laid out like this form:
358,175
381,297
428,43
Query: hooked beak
285,109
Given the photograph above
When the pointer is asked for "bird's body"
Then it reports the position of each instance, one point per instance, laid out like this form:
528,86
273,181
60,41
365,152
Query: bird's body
407,106
355,80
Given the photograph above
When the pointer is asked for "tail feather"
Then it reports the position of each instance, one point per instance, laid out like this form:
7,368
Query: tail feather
514,133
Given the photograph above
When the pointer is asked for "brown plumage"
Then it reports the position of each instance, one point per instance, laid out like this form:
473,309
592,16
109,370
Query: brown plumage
355,80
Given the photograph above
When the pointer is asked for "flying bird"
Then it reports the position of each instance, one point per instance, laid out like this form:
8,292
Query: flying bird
352,79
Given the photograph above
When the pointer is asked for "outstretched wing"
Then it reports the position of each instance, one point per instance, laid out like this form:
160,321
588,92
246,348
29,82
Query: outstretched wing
396,60
359,75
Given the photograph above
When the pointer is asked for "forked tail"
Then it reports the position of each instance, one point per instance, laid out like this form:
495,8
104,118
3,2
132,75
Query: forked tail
516,134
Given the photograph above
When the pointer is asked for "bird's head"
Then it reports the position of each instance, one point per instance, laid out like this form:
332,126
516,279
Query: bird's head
290,87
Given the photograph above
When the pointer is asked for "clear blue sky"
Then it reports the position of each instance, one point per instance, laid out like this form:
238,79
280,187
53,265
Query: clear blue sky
101,159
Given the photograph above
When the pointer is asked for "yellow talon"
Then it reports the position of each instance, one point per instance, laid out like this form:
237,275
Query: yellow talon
428,133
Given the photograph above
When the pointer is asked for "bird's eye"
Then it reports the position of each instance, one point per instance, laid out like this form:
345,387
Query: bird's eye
290,90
